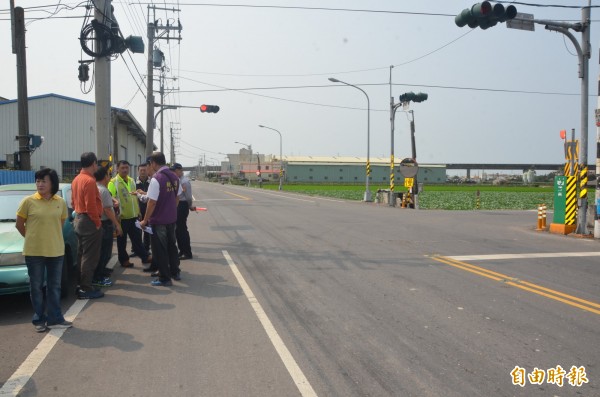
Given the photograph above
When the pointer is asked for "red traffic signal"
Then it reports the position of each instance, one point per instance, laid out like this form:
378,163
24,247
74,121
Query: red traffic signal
209,109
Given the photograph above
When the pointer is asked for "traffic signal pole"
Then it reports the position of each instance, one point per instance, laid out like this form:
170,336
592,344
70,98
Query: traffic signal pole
583,53
486,15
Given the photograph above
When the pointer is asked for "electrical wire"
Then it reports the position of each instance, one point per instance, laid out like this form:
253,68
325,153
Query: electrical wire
221,89
337,73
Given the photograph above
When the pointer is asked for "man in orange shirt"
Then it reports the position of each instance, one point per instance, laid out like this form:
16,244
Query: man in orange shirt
88,206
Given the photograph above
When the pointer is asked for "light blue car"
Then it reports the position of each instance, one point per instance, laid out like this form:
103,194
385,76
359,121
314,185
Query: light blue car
13,271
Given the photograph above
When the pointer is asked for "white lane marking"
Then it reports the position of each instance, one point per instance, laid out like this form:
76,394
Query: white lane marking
226,199
288,360
289,196
522,256
19,379
282,196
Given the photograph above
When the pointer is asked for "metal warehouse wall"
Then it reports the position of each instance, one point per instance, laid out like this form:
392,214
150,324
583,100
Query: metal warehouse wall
68,128
355,173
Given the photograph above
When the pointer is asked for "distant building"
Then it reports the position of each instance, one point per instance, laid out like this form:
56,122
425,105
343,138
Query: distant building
352,170
334,169
68,127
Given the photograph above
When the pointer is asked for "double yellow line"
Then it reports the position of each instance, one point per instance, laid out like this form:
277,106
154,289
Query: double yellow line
524,285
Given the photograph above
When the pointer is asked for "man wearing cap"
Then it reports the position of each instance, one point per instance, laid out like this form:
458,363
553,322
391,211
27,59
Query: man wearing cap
121,187
161,215
183,210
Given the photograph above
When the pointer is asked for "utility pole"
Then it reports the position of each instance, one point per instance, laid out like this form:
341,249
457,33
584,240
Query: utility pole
18,22
174,139
415,188
150,91
103,14
583,54
585,38
156,32
162,115
392,114
597,217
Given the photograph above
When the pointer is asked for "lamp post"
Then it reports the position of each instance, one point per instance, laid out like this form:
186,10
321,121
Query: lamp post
367,196
281,175
249,147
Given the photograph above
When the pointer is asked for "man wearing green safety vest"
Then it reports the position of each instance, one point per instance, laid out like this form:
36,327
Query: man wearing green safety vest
122,187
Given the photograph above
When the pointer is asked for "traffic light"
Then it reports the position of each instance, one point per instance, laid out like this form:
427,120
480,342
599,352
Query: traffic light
36,141
411,96
485,15
209,109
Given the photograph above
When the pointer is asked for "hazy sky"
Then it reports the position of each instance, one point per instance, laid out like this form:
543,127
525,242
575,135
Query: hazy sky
473,113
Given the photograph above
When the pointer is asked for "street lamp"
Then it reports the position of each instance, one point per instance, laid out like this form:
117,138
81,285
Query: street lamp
280,158
367,196
249,147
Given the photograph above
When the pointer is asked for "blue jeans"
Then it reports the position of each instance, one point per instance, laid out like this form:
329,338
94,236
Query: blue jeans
45,308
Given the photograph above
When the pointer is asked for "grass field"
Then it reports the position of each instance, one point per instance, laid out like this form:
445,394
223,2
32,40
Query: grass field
446,197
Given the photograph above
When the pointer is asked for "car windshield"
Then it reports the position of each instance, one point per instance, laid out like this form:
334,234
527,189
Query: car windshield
9,202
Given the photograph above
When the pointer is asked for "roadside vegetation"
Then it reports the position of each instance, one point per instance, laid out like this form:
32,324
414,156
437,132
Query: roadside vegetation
446,197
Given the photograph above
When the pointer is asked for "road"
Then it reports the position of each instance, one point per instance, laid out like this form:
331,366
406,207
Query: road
291,295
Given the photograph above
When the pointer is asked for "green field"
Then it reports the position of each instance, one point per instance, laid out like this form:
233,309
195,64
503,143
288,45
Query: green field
446,197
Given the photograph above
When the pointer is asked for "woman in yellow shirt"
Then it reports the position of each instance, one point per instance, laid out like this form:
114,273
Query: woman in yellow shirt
40,218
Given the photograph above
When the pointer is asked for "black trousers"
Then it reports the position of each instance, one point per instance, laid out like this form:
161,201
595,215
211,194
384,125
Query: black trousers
164,251
135,234
181,232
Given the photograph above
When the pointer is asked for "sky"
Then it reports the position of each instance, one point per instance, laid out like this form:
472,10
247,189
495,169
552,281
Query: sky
495,96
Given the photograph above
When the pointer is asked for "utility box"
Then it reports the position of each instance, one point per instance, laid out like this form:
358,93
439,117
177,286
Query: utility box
560,199
559,221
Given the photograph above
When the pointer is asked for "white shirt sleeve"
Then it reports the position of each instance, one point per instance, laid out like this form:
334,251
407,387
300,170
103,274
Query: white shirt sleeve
153,190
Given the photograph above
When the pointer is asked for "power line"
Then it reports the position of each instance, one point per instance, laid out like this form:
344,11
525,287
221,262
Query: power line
544,5
308,8
221,89
337,73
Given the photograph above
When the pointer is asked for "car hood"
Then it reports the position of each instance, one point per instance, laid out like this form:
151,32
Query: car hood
11,240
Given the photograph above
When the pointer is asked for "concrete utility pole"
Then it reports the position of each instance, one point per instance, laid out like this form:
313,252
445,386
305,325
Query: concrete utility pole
173,139
18,22
392,173
585,37
153,35
150,91
103,14
597,217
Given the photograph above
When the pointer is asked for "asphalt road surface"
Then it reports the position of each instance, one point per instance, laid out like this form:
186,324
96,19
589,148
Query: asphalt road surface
291,295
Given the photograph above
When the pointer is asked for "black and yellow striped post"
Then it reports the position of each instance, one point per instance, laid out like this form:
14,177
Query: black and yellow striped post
571,201
392,173
368,168
583,180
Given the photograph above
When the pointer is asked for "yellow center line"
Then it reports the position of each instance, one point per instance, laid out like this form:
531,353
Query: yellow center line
237,195
524,285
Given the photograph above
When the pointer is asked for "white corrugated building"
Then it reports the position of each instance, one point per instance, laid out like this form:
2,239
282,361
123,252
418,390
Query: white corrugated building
68,127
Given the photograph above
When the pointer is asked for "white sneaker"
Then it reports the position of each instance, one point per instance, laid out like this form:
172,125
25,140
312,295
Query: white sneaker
65,324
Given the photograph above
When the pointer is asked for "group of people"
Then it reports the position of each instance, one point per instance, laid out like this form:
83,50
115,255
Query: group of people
158,203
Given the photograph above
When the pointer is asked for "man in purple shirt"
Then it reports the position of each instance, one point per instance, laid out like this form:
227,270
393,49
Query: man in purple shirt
161,215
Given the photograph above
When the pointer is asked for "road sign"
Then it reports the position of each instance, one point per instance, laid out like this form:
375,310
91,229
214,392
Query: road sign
409,167
409,182
522,22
